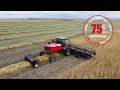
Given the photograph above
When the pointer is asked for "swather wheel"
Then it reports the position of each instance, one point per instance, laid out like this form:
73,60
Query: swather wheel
41,53
52,58
67,52
36,65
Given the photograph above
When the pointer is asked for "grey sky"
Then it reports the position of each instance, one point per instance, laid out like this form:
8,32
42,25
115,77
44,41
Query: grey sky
57,14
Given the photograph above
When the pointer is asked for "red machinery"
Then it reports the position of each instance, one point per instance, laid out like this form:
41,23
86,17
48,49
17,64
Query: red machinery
51,48
60,45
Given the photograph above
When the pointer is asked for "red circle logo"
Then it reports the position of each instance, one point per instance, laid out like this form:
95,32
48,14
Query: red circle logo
98,30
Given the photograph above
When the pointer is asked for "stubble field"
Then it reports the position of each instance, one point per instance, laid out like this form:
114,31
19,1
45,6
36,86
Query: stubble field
20,37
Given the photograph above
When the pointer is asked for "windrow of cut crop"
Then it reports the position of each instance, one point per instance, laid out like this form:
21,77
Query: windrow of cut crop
30,43
18,37
19,26
6,29
29,31
43,37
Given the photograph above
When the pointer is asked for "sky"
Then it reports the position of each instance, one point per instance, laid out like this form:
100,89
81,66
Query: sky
57,14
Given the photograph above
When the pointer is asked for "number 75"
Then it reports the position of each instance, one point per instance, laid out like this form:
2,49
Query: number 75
99,28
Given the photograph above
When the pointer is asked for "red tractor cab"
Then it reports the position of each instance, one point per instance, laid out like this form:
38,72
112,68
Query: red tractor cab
55,46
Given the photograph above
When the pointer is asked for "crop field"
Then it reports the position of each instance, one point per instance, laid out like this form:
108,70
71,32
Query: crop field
20,37
16,36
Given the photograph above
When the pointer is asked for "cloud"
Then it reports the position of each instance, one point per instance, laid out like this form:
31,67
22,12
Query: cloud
57,14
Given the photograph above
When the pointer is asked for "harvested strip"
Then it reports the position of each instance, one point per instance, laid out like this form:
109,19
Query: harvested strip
46,29
43,28
24,64
31,43
14,67
20,45
17,37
